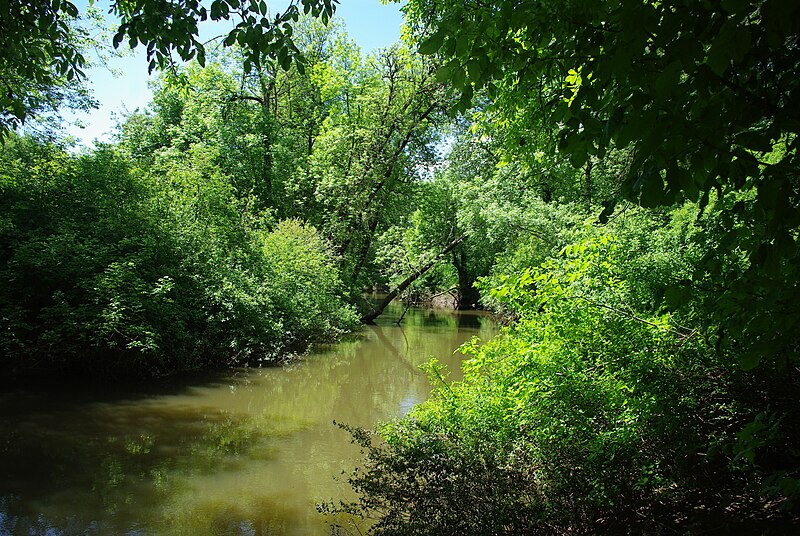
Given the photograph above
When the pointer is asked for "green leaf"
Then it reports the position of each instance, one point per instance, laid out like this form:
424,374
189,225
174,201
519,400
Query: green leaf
743,42
449,47
19,108
652,187
668,80
578,157
734,6
445,72
284,60
474,69
70,9
719,55
458,77
432,44
201,55
466,99
463,45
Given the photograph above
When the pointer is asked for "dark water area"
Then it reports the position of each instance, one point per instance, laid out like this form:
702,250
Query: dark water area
248,451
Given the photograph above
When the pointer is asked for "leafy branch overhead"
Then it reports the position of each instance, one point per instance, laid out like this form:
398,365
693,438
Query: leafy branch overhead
702,91
703,96
172,27
41,54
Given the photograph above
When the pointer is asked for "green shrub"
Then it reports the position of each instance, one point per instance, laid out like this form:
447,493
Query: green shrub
594,411
303,283
110,270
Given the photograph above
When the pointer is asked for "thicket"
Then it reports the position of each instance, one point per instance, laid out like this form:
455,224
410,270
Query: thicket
231,221
110,270
643,162
598,410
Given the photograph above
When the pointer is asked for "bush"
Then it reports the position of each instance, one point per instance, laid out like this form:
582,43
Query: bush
109,270
596,411
304,285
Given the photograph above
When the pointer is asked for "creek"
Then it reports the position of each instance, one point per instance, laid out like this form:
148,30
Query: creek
247,451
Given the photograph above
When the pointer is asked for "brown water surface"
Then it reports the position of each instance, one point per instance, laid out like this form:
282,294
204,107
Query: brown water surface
240,452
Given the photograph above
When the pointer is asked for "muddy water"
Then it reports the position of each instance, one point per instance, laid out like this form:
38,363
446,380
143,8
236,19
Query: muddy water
241,452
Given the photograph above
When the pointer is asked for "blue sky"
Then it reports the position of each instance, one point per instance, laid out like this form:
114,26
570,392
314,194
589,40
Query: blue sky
369,22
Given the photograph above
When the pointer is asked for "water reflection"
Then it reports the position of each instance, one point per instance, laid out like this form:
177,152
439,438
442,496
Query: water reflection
241,452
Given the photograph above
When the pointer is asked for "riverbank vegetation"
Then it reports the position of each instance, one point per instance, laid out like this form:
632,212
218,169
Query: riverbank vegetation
648,381
110,270
230,223
619,179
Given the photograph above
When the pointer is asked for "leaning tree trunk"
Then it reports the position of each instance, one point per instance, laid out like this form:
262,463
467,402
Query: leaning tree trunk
468,295
370,317
588,181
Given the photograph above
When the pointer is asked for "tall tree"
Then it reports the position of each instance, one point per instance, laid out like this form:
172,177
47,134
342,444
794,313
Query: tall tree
368,153
703,96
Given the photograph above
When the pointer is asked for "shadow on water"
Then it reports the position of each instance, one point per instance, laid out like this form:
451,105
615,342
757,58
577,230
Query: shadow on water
236,452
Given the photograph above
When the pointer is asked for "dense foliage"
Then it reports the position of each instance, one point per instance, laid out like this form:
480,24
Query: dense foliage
647,381
597,410
108,269
229,223
621,184
701,95
43,52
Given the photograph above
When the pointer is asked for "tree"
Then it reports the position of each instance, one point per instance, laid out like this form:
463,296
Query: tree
449,205
293,105
42,49
704,98
39,49
723,73
370,317
367,156
263,123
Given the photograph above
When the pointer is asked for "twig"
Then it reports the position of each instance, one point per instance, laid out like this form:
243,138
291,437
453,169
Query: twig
633,316
450,291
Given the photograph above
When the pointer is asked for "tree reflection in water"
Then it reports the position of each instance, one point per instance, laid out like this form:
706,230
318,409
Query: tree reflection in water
239,452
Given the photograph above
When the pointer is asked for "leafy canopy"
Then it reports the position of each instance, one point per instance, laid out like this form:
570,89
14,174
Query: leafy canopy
703,96
38,45
702,91
41,59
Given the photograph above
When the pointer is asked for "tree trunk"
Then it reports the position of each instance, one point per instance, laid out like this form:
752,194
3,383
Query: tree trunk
362,257
468,295
370,317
